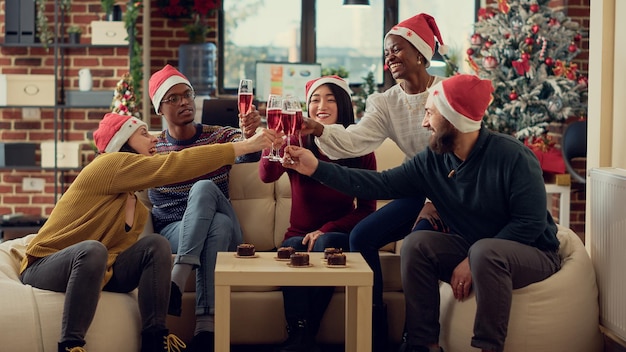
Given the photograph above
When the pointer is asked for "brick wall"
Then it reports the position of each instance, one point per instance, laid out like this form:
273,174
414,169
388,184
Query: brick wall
107,66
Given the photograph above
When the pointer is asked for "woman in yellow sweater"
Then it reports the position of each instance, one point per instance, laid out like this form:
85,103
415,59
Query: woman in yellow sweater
90,241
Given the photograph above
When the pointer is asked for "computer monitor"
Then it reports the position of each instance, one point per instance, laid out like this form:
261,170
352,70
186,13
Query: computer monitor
284,78
220,112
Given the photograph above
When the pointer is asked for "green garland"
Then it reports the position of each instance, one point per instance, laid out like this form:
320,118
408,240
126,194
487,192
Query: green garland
133,10
44,31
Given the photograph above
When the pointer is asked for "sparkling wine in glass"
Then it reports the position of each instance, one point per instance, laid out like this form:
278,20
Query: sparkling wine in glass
245,97
274,114
292,119
296,124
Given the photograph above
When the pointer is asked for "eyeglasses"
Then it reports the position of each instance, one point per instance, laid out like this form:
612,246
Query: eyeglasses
176,98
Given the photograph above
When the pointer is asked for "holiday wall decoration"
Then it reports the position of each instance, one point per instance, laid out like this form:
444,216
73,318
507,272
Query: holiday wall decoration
526,49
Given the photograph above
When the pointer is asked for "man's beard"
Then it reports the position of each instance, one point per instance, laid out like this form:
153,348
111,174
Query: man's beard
443,141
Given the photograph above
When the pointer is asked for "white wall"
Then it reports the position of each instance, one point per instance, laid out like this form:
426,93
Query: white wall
607,90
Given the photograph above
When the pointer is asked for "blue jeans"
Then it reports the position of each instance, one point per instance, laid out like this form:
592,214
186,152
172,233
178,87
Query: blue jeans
498,266
208,226
310,303
388,224
78,270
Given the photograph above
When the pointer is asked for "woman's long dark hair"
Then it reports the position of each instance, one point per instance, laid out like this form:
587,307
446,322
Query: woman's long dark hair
345,117
127,148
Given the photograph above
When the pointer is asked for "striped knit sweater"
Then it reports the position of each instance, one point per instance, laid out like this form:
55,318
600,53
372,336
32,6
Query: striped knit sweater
170,201
94,206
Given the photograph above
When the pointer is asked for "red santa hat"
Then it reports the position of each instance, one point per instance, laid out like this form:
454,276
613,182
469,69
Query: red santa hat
421,30
313,84
462,100
161,81
115,130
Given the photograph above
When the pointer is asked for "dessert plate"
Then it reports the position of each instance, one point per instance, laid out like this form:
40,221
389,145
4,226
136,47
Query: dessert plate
337,266
246,256
299,266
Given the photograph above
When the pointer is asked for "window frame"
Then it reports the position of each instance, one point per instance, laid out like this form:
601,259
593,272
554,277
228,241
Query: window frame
308,40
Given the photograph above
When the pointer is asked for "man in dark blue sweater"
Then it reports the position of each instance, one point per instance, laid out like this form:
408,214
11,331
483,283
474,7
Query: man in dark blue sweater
488,188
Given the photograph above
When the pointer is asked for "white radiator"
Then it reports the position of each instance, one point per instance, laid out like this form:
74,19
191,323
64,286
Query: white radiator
608,245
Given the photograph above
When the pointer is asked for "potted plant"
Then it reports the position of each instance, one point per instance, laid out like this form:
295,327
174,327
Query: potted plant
74,33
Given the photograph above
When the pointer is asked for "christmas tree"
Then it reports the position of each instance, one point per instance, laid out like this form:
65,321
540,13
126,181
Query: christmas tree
526,49
124,99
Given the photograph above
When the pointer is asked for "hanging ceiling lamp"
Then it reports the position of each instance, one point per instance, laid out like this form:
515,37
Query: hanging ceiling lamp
356,2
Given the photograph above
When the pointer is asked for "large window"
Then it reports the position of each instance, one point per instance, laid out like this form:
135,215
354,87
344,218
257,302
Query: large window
326,32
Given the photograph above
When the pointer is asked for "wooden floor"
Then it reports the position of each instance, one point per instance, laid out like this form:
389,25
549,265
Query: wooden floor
609,346
612,346
271,348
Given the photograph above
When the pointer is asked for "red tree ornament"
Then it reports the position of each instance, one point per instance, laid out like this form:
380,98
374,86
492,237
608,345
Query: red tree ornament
577,37
549,61
529,41
572,48
534,8
476,39
553,22
513,95
470,51
525,56
535,28
490,63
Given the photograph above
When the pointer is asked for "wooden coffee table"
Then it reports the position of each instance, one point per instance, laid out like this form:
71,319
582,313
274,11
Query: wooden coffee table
264,270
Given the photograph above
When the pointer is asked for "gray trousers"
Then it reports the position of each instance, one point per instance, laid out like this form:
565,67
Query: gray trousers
78,270
498,266
209,225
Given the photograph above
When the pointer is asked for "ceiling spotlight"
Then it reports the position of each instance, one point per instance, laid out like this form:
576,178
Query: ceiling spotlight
356,2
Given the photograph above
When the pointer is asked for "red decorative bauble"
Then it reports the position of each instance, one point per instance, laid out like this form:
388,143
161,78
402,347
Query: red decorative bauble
476,39
529,41
553,22
507,35
535,28
549,61
470,51
534,8
488,44
572,48
490,63
525,56
513,96
577,37
583,81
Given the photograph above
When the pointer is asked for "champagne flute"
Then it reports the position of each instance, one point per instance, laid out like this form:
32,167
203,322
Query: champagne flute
273,112
292,119
244,99
296,124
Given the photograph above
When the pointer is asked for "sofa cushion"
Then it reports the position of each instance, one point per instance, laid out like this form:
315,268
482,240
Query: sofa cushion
560,313
32,317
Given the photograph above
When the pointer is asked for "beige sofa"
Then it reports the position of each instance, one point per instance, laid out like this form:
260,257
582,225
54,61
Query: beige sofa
558,314
30,318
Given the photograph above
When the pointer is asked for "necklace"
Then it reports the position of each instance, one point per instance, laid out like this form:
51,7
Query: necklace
419,99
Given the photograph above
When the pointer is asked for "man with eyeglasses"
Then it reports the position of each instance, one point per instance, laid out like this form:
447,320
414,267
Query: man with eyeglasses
195,216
